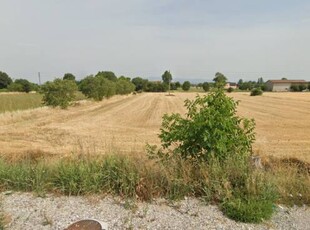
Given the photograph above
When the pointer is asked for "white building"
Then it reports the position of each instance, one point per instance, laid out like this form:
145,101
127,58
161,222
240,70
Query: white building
283,85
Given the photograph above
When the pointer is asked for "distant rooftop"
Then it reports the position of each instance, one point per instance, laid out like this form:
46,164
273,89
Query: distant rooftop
288,81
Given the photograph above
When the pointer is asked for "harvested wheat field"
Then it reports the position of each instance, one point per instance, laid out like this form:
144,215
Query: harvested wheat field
127,123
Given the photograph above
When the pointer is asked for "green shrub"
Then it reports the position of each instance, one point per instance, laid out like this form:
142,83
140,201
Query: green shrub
230,89
256,92
59,93
186,86
124,87
206,86
97,87
251,209
211,126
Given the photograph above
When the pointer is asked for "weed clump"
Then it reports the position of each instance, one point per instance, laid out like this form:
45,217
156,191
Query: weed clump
213,138
256,92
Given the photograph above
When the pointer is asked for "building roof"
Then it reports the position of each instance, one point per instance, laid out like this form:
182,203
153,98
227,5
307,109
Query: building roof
287,81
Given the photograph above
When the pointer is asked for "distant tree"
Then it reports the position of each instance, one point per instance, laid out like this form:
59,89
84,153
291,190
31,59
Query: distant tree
26,85
69,76
178,85
97,87
294,88
58,93
156,87
124,78
186,86
124,86
173,86
309,86
107,74
140,83
167,78
199,85
260,81
302,87
240,82
283,78
206,86
15,87
5,80
220,80
230,89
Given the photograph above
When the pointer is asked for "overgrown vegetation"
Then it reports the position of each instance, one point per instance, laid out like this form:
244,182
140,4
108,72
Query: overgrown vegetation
256,92
59,93
211,127
212,134
13,102
233,183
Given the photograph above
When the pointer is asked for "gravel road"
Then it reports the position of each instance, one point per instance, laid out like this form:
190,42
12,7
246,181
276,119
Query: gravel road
27,211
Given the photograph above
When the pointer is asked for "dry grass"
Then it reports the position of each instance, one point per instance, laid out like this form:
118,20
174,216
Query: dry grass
126,123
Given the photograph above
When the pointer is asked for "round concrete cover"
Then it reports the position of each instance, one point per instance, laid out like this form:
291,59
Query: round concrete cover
85,225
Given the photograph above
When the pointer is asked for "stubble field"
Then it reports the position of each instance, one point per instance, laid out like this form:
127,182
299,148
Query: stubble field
127,123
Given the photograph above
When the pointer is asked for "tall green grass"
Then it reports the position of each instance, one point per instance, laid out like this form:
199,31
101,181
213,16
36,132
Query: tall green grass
19,101
243,193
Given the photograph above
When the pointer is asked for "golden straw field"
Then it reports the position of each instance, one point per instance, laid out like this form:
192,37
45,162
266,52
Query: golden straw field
127,123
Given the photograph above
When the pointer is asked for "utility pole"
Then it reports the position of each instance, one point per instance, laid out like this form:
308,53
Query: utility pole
39,76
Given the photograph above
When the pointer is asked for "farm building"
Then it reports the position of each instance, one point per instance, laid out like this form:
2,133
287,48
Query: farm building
230,85
283,85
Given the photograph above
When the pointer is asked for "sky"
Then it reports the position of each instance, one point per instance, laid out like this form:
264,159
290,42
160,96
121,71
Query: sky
193,39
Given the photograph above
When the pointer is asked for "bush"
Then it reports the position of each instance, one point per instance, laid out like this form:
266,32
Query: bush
186,86
252,209
256,92
206,86
229,90
5,80
124,87
211,127
97,87
59,93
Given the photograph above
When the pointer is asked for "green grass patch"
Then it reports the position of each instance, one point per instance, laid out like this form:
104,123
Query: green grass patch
243,193
19,101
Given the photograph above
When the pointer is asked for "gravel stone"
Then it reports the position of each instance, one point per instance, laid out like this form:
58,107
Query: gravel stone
27,211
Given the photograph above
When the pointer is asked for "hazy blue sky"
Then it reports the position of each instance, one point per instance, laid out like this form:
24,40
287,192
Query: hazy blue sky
194,38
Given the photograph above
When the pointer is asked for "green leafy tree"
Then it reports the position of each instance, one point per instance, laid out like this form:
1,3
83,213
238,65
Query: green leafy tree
167,78
97,87
5,80
69,76
26,85
178,85
59,93
206,86
156,86
124,86
230,90
108,75
15,87
210,128
220,80
309,86
140,83
302,87
186,86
